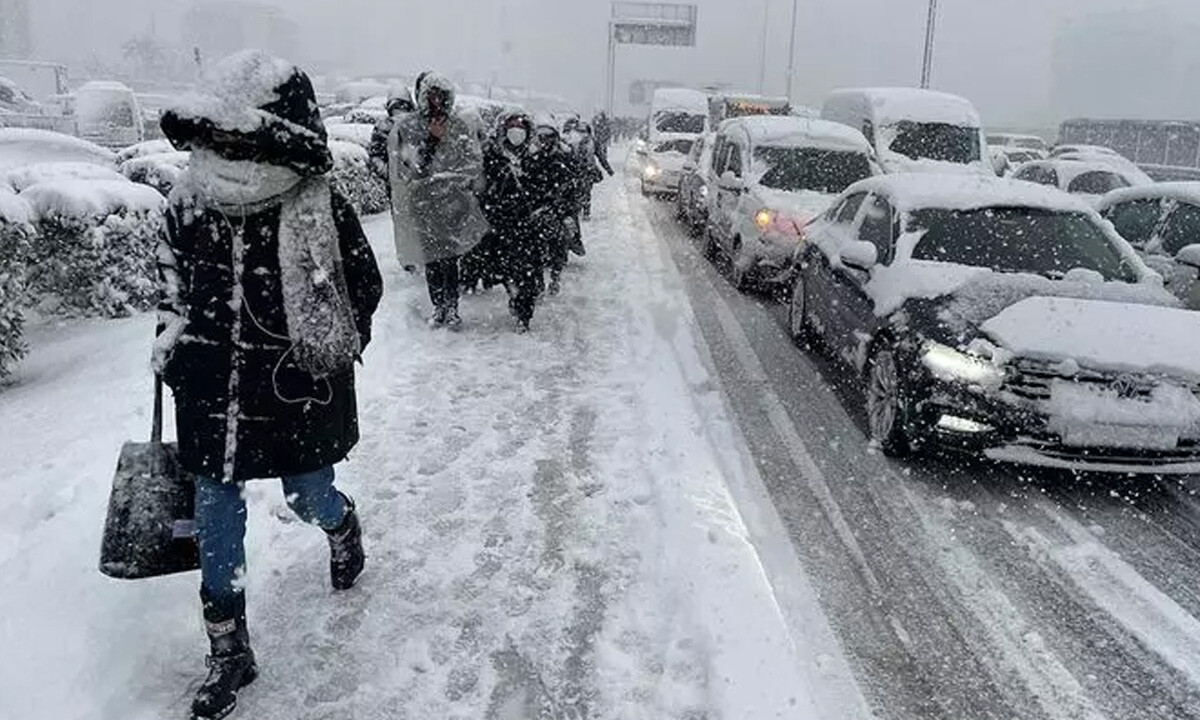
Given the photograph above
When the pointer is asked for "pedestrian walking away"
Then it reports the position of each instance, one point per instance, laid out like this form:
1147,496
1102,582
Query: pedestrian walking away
436,169
588,162
511,203
268,286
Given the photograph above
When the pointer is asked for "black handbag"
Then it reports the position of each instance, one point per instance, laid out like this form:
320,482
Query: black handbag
149,530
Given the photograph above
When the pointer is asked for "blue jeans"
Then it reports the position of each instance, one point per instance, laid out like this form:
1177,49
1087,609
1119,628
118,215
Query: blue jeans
221,525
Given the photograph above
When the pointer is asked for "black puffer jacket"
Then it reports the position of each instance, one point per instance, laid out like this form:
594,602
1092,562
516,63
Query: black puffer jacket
288,422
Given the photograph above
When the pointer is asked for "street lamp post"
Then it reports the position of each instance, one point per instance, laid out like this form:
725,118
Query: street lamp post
791,66
930,33
766,33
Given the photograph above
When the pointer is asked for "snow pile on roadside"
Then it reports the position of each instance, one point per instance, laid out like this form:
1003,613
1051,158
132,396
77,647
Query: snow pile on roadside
548,531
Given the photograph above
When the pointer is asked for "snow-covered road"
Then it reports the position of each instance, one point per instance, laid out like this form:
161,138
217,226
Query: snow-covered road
561,525
959,589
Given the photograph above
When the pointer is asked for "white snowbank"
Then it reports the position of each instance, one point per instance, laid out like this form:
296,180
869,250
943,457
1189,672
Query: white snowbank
357,133
347,153
150,147
30,175
91,198
26,146
1101,335
13,209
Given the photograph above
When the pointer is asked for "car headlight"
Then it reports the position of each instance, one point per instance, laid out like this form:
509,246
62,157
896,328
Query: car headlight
946,363
651,172
763,219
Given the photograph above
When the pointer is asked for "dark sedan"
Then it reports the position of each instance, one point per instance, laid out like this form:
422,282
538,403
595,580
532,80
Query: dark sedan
1004,318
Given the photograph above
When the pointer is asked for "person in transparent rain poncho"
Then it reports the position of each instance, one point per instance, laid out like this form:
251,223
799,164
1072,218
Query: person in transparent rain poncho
268,286
436,168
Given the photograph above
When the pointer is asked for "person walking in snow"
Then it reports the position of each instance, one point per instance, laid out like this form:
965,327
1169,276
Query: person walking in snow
436,171
578,135
511,203
269,286
399,103
550,170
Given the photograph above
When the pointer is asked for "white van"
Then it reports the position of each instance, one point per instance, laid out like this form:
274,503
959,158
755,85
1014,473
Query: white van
914,130
677,113
108,114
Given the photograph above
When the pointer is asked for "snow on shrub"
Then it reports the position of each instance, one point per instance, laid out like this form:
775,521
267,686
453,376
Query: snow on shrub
94,252
142,149
357,133
15,237
160,171
365,190
27,146
25,177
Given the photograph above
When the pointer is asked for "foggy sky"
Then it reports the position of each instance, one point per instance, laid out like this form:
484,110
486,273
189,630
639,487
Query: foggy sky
999,53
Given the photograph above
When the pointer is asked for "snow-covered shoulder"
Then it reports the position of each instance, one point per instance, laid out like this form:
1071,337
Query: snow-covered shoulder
234,88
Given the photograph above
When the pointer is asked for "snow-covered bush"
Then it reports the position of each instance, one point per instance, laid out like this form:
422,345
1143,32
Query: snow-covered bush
15,237
357,133
160,171
18,179
352,175
95,245
142,149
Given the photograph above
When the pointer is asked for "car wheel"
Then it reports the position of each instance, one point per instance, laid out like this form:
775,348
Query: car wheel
887,406
801,329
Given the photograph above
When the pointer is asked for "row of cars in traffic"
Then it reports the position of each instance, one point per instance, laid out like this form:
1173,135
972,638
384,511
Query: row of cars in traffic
1003,316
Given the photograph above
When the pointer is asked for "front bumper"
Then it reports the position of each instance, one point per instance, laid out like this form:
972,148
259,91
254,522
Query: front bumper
771,258
1008,429
664,181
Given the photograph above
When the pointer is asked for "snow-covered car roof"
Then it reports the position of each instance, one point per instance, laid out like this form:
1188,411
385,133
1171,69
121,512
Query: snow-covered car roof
1073,148
1126,167
789,131
1069,169
27,146
918,191
894,104
675,99
1188,192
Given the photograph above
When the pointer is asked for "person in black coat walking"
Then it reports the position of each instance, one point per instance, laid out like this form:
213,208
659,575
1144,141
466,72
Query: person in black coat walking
269,286
551,172
399,103
510,201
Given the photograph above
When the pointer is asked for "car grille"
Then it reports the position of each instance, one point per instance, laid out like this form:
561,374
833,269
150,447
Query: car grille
1032,380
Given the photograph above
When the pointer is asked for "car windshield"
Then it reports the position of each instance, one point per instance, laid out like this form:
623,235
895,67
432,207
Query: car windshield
683,147
936,141
825,171
1018,240
673,121
1135,221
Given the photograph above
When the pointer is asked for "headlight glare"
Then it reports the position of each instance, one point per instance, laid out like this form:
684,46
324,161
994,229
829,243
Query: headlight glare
949,364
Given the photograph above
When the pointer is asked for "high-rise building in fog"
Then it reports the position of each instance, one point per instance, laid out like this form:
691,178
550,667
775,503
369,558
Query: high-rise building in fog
221,27
14,29
1138,63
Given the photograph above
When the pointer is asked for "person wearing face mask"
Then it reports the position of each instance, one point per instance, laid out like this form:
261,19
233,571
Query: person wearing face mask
511,202
436,167
550,169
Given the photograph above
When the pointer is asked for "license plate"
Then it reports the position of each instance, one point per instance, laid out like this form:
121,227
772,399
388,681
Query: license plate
1121,436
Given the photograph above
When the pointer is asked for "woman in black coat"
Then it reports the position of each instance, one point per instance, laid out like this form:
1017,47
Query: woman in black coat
269,286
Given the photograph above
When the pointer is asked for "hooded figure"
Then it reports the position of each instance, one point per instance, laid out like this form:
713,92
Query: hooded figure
578,135
399,103
515,208
436,167
550,170
269,286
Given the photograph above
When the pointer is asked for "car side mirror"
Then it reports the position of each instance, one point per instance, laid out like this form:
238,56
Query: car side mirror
1190,256
859,256
732,183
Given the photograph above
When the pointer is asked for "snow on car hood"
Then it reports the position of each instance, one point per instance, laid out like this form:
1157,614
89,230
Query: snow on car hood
1100,334
669,161
803,205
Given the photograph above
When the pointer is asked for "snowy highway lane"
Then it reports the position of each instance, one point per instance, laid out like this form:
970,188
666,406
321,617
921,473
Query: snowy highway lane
958,589
563,526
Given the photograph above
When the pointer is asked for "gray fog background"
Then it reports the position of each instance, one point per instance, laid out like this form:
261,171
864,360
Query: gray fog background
1023,62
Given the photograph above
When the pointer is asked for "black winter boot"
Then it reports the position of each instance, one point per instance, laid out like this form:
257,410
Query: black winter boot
231,665
346,556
